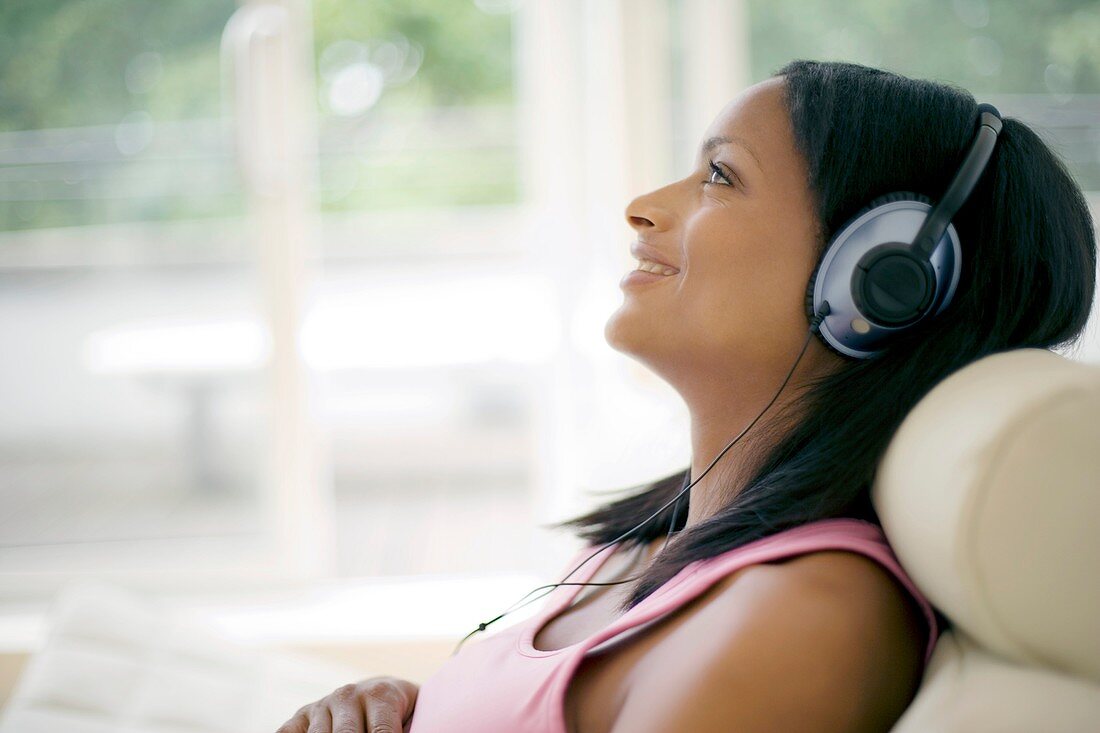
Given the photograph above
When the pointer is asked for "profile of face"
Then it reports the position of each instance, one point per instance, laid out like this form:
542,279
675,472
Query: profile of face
740,229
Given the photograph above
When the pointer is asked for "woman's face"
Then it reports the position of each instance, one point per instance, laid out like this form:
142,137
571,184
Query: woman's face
743,238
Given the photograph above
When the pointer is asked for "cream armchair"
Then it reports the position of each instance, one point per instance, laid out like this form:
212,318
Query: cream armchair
989,494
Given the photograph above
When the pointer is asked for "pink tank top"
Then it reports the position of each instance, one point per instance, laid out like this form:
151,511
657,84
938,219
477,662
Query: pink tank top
502,684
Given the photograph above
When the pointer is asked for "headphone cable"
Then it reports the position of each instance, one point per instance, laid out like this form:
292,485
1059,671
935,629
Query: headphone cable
815,324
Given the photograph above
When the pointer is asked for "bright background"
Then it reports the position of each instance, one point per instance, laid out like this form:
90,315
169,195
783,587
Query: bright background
310,295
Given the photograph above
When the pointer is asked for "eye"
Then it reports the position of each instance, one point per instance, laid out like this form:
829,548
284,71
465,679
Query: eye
716,171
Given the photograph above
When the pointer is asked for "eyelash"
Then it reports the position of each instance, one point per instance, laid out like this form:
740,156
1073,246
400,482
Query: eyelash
715,169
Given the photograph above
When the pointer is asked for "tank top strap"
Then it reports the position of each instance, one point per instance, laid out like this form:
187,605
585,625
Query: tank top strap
842,533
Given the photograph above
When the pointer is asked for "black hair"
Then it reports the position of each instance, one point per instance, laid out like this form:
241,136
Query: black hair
1027,281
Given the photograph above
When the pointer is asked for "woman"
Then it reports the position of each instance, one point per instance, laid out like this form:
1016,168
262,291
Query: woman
794,615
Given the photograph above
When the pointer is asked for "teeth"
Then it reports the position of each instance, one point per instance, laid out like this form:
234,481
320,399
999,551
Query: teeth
655,267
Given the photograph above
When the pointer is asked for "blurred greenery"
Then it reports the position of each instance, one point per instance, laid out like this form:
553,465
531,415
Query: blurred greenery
97,64
138,83
1037,60
63,63
469,52
985,46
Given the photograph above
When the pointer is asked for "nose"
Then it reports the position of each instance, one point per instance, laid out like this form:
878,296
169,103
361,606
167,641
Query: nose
645,214
639,222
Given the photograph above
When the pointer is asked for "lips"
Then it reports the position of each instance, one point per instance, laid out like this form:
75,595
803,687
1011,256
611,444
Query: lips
643,251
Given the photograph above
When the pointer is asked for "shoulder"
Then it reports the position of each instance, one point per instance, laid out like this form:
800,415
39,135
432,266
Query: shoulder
824,641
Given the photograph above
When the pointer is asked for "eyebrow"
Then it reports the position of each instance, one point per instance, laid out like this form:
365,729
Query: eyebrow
714,142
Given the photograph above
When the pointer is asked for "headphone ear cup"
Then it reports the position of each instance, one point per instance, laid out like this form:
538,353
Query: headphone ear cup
811,307
811,312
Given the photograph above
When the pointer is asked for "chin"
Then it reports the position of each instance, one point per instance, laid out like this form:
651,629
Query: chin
631,337
616,333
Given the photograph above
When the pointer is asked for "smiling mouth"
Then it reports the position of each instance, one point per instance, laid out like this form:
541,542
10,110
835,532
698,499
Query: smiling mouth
641,277
655,268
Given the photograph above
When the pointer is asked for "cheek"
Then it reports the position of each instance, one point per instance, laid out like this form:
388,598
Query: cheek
748,277
728,264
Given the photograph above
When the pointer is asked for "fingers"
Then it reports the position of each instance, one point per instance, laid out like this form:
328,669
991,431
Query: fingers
409,690
385,706
299,723
347,710
320,720
377,705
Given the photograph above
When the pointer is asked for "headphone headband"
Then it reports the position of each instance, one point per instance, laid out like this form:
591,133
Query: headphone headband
989,127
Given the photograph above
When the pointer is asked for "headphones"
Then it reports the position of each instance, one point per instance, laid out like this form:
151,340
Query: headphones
893,264
869,286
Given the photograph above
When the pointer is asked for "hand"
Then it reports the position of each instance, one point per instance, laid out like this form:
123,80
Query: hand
375,705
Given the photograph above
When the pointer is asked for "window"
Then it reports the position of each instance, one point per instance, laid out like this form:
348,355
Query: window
293,290
133,404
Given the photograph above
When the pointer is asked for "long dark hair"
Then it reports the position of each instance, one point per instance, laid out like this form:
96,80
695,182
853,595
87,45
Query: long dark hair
1027,280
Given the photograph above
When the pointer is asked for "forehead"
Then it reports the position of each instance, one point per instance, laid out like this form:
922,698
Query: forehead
759,117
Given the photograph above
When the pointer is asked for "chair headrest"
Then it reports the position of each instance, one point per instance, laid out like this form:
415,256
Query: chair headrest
989,494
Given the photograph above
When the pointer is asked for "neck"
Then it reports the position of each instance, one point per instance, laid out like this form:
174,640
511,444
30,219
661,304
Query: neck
715,422
757,402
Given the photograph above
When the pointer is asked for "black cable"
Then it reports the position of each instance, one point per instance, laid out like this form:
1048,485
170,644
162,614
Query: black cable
814,326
